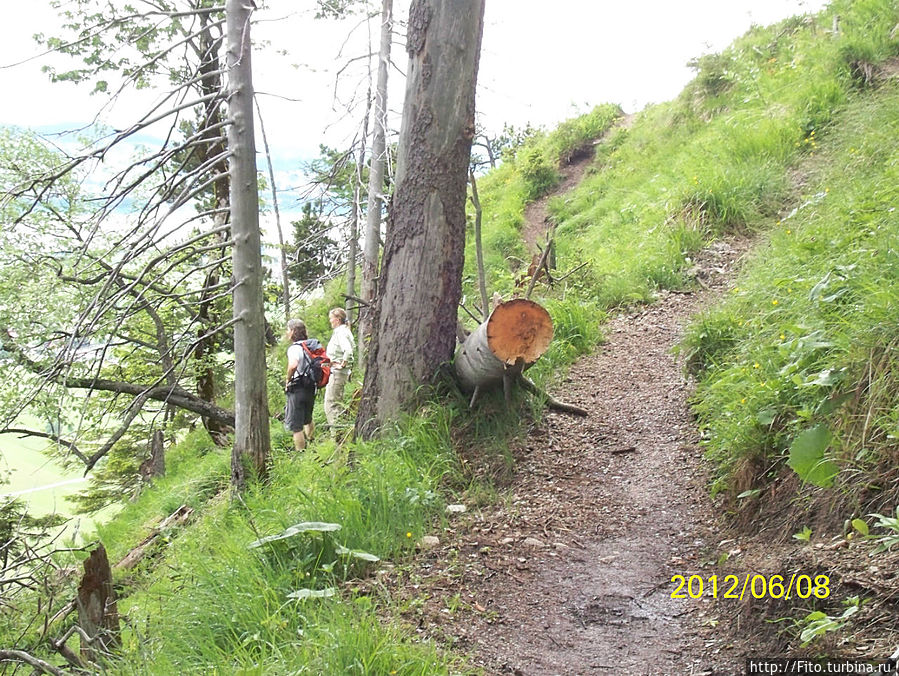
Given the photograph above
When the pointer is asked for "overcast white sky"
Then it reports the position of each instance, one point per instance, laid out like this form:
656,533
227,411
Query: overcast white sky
542,61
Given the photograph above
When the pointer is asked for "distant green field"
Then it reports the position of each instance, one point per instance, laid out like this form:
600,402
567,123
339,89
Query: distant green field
40,482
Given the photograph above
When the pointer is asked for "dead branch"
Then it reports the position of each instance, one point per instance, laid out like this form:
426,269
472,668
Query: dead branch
540,264
551,401
22,656
45,435
479,249
570,272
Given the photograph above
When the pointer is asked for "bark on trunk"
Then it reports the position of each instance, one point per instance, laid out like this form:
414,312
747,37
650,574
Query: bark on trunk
517,333
375,183
98,614
154,466
251,436
421,272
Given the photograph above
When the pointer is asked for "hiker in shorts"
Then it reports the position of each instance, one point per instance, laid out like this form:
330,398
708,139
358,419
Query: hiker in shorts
341,350
300,395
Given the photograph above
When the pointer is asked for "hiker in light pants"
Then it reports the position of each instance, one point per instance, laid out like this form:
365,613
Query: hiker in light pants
341,350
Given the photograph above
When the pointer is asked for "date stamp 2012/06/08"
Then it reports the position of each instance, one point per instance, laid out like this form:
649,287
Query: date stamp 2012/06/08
739,587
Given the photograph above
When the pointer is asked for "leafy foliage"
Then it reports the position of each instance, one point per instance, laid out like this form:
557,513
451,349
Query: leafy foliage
312,250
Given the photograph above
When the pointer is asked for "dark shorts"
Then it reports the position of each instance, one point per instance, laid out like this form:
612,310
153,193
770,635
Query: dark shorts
298,410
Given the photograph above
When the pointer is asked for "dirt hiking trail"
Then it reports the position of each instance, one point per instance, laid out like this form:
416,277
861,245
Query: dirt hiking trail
571,574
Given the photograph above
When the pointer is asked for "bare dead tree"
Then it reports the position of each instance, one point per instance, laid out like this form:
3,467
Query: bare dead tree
376,179
155,247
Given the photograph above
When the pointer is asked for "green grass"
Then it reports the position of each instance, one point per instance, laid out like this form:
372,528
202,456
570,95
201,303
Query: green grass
808,337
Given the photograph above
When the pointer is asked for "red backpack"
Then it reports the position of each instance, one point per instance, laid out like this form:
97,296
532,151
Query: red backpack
317,364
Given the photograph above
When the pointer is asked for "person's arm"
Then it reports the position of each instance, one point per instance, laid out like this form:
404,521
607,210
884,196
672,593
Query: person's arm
291,369
348,347
292,364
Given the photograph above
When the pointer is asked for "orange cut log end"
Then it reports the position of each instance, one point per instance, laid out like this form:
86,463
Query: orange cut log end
519,329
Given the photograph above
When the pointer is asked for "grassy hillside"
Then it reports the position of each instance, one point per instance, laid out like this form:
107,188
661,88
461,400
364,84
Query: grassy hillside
791,135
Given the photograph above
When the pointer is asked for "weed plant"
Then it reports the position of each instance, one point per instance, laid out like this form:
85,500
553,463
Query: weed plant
227,604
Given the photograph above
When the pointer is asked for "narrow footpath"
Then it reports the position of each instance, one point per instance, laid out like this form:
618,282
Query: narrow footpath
572,574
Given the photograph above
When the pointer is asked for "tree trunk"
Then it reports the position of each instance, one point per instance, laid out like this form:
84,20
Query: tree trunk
353,252
516,334
98,614
177,518
421,279
212,147
251,420
154,466
375,184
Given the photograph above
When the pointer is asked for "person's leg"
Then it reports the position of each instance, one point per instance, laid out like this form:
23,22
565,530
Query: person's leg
308,424
299,440
334,396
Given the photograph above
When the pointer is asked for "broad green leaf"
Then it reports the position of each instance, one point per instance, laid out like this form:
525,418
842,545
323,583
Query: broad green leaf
807,457
297,529
766,416
357,554
818,288
860,525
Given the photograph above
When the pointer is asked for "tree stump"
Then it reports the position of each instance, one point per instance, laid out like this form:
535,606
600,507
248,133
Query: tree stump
98,614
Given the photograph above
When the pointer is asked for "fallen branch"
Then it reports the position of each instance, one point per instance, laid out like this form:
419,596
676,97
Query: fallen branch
551,401
131,559
22,656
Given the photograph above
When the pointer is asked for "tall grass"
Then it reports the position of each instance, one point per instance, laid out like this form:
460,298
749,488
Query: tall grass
226,605
808,337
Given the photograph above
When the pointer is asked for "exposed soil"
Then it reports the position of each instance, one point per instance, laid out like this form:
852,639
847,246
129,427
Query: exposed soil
535,214
572,575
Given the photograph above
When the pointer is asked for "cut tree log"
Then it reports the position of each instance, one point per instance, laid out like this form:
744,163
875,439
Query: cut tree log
515,335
